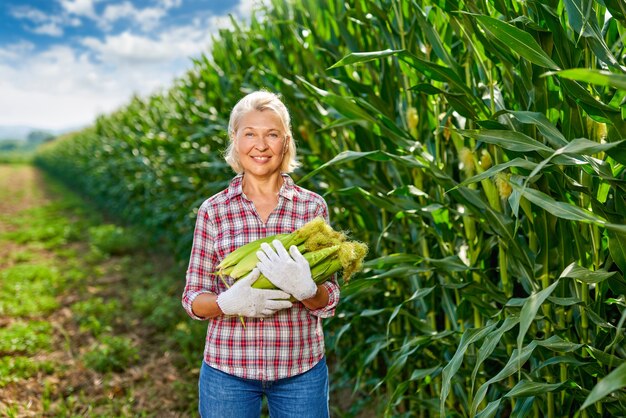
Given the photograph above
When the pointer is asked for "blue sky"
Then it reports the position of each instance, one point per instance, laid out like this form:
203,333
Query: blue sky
63,62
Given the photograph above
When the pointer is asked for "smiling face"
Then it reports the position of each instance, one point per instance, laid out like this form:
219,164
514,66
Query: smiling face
260,142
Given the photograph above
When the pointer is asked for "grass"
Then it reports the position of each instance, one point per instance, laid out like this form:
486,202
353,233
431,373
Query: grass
25,337
29,290
111,353
85,302
14,369
95,315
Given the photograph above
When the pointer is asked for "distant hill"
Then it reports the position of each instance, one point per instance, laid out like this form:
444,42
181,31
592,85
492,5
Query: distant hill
14,132
20,133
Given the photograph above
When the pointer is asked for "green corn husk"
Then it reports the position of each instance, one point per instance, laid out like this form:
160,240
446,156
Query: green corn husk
317,260
326,250
232,259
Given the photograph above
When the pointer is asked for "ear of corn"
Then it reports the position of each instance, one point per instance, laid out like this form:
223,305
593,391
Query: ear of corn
326,250
232,259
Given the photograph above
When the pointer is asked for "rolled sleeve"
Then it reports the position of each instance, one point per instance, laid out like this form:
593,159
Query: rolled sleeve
202,261
331,285
333,299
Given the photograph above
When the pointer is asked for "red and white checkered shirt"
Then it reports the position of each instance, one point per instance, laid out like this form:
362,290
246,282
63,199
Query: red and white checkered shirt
285,344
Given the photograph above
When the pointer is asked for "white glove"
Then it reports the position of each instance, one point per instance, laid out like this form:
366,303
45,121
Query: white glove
291,274
244,300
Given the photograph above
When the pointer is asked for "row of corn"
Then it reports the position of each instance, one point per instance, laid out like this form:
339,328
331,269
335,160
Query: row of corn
326,250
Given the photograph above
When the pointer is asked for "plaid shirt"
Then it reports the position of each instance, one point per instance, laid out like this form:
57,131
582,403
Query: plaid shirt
285,344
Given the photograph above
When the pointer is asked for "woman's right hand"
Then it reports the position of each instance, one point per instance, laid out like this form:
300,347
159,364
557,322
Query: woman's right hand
244,300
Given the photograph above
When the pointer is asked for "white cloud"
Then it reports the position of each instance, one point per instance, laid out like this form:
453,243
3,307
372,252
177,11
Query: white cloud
42,23
147,18
168,4
29,13
15,51
55,89
63,87
51,29
79,7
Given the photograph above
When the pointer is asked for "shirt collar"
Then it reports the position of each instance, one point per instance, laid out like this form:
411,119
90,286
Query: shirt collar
287,190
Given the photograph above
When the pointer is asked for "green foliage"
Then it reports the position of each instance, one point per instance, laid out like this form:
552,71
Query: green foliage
28,290
16,368
95,315
111,354
114,239
158,303
25,337
477,147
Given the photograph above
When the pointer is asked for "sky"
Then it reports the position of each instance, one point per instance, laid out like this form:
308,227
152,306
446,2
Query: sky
64,62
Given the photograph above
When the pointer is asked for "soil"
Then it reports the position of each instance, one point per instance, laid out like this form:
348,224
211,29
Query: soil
146,387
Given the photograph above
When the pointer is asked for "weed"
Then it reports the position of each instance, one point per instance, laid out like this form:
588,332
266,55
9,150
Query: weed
16,368
113,239
25,337
158,304
95,315
28,290
111,354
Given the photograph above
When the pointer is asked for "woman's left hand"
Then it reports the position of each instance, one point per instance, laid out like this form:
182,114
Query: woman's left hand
290,273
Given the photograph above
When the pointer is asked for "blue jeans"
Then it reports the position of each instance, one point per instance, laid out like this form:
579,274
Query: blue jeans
226,396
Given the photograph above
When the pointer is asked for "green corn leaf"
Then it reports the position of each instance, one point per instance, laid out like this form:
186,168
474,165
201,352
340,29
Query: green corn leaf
529,311
344,157
547,129
604,358
565,301
511,140
419,374
556,343
344,105
418,294
517,40
516,361
438,73
492,171
577,272
523,407
490,343
392,259
612,382
360,57
598,77
582,19
617,248
525,388
569,360
457,100
564,210
490,410
469,337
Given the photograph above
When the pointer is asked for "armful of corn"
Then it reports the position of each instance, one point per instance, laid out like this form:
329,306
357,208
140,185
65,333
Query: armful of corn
326,250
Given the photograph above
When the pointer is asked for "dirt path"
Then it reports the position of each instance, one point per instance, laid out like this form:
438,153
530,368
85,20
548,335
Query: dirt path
52,378
20,189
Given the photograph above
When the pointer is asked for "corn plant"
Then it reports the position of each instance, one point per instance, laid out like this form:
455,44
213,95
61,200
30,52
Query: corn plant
477,147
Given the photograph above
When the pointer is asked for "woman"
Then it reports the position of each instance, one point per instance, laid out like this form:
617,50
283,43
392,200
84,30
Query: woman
279,352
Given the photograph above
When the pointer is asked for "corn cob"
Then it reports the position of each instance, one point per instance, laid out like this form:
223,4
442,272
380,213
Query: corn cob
315,259
326,250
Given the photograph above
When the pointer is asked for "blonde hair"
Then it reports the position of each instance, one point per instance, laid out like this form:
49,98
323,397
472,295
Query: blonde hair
260,101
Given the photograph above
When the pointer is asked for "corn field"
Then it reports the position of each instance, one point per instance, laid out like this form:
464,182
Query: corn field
477,147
